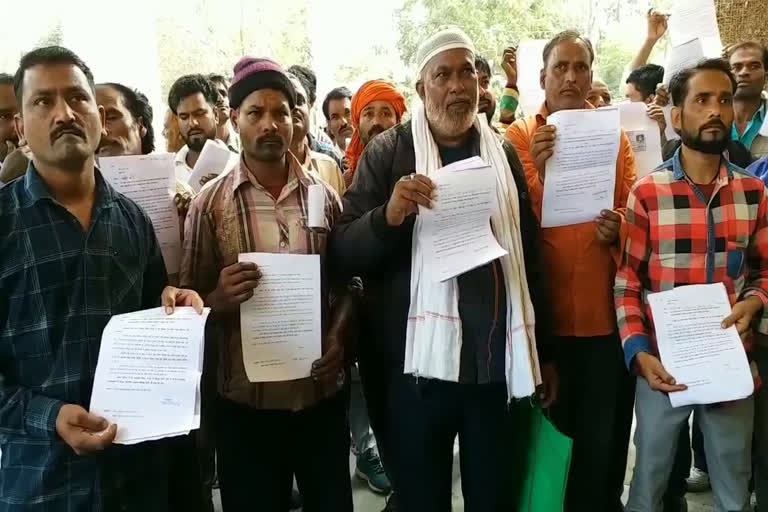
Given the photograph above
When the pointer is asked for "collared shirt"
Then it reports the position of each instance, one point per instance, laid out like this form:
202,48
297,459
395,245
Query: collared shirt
760,169
325,167
236,214
233,141
677,237
59,286
580,268
184,171
752,130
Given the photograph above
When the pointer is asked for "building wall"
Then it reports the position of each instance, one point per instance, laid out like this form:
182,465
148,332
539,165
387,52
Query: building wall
742,19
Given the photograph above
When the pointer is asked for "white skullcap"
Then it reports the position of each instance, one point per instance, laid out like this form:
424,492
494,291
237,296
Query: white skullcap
447,39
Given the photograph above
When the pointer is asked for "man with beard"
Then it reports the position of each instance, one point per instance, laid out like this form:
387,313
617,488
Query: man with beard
312,161
377,106
672,216
73,253
377,238
192,99
486,104
595,407
267,432
749,64
337,109
225,132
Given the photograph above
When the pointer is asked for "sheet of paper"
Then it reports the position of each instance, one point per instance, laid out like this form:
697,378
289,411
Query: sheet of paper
149,180
581,174
695,349
683,56
530,61
215,158
456,233
643,134
148,374
316,206
280,325
692,19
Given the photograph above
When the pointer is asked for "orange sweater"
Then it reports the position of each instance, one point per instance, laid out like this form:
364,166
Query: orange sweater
580,269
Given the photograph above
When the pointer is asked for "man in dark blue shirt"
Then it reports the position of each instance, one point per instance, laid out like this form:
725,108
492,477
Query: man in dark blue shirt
73,252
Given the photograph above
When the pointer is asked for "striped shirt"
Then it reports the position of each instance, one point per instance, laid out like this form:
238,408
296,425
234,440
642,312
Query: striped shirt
676,237
236,214
59,286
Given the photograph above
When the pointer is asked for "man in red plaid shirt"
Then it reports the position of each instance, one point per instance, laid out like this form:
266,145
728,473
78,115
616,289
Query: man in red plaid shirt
697,219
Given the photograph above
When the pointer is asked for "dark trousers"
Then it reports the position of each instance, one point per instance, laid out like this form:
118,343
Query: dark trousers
260,451
375,380
595,409
425,416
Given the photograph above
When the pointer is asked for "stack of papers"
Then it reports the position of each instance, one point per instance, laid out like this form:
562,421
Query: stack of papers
696,350
580,176
456,233
685,55
149,181
215,158
148,375
643,134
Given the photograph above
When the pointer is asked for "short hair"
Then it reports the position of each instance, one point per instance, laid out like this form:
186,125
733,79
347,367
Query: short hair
189,85
6,79
646,78
568,35
216,78
678,86
48,55
338,93
304,73
482,65
755,45
139,107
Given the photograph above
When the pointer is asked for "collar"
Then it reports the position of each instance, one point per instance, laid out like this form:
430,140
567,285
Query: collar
36,189
296,174
181,157
675,164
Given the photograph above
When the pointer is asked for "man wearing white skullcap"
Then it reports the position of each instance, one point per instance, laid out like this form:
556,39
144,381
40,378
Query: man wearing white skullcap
446,357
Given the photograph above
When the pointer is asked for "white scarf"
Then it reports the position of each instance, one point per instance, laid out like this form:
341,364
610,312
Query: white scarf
434,336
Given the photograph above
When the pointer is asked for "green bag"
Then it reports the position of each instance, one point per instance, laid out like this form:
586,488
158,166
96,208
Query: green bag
544,461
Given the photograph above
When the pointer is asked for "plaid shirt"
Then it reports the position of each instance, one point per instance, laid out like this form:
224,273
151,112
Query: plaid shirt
676,237
236,214
59,286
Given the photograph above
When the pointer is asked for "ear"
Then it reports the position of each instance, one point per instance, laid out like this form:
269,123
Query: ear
216,115
233,114
591,77
103,118
18,122
142,128
543,77
420,89
677,118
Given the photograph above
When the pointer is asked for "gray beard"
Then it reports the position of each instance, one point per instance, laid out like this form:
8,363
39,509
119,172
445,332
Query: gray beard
445,123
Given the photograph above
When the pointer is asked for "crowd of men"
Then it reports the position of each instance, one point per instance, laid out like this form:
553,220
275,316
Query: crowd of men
74,252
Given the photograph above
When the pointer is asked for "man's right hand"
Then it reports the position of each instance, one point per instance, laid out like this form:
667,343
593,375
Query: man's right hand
656,113
657,25
409,192
509,65
543,147
235,286
6,149
84,432
662,96
651,369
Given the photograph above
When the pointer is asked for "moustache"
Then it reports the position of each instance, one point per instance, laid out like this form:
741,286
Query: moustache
375,130
71,128
269,139
713,124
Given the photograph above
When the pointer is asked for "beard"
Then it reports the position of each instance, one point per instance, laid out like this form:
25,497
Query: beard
696,140
450,122
374,131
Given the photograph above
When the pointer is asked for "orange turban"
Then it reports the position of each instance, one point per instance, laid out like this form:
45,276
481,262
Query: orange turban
375,90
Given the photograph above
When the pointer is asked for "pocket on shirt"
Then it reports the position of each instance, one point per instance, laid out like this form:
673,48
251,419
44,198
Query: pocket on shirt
735,260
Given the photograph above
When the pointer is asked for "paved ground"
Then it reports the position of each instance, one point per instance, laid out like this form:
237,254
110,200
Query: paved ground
366,501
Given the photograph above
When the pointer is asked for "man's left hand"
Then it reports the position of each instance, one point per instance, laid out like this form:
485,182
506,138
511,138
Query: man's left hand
550,385
742,314
608,226
331,365
173,297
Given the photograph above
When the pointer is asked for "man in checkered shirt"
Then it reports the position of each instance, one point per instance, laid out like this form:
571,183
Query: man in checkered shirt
697,219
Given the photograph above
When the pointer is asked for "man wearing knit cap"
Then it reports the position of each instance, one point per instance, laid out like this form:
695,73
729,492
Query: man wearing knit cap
488,312
269,432
377,106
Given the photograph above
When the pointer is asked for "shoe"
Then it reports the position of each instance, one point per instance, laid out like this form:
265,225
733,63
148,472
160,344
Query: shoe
296,501
390,506
698,481
369,468
676,505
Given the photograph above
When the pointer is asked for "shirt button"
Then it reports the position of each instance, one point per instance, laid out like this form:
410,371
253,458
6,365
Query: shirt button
283,244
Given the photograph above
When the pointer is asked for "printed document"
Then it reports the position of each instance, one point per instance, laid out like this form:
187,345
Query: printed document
528,82
215,158
280,325
643,134
149,180
581,174
683,56
456,232
691,19
148,374
695,349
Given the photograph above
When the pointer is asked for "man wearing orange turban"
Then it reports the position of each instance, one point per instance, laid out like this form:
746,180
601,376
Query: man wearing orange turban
376,107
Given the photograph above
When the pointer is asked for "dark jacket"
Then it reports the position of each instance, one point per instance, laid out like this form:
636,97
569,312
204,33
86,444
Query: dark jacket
363,244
